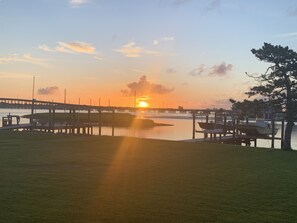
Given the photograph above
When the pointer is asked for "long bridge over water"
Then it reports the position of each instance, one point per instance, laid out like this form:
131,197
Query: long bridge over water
51,106
87,128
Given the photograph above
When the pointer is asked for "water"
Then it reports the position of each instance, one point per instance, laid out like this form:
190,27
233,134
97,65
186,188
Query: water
181,129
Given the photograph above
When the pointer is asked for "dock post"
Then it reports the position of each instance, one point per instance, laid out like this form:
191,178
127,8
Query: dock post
237,123
225,126
32,113
73,121
112,131
89,120
194,121
50,120
99,122
234,127
53,118
206,120
282,132
273,130
70,118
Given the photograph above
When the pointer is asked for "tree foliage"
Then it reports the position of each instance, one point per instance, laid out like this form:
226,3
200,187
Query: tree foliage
279,83
253,109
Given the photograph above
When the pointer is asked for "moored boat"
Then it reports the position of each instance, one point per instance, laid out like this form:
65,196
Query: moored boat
260,127
211,125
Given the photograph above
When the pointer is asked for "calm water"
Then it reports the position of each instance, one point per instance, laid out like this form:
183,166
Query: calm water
181,129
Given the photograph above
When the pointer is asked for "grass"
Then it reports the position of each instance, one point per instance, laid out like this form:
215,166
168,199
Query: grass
54,178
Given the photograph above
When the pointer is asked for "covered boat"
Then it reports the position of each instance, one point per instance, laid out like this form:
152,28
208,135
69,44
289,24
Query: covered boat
260,127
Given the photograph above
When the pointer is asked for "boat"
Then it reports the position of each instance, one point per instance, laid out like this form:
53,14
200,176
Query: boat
211,126
260,127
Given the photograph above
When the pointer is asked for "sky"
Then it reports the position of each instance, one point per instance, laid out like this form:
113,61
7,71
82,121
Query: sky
170,53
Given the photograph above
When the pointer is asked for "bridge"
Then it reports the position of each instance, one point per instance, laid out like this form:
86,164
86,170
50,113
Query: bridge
87,128
51,106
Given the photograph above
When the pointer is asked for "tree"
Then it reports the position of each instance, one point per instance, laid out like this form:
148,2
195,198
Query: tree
279,83
254,109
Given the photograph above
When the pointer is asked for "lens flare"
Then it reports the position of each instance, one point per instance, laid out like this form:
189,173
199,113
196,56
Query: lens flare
143,104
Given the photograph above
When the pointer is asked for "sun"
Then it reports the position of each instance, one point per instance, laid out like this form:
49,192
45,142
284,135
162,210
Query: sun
143,104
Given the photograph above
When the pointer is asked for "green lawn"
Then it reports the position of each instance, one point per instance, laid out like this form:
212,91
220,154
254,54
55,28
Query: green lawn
51,178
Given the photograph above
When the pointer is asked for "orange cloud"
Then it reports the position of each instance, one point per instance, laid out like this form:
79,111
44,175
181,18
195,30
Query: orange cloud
78,47
26,58
132,50
144,87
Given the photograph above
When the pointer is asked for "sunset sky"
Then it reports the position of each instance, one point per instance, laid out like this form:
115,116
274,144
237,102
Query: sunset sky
190,53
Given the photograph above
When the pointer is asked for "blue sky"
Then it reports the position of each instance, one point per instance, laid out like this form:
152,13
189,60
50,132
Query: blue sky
171,52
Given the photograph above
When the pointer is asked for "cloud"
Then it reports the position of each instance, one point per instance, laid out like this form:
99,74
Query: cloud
141,71
198,71
48,90
173,2
130,50
170,71
73,48
163,39
288,36
134,51
97,58
213,5
76,3
293,34
25,58
144,87
216,70
77,47
221,69
292,12
12,75
45,48
155,42
168,38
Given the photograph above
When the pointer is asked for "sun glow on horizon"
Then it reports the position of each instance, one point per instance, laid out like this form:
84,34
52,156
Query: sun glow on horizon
142,104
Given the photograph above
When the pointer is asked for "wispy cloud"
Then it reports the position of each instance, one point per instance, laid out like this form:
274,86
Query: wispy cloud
292,12
13,75
132,50
213,5
25,58
71,47
97,58
48,90
198,71
170,71
168,38
292,34
221,69
163,39
144,87
155,42
76,3
141,71
45,48
75,47
173,2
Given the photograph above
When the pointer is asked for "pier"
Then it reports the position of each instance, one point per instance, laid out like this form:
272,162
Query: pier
227,133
